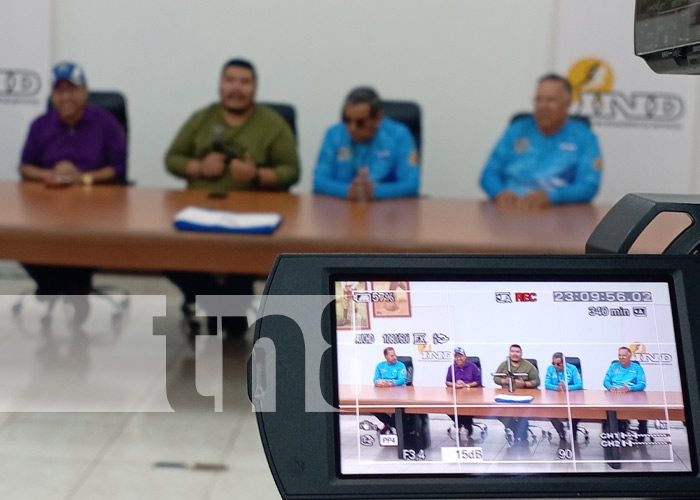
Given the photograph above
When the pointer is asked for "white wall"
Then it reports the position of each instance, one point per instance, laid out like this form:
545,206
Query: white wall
469,65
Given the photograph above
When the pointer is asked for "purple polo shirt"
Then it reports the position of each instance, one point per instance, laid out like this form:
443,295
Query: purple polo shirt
470,373
96,141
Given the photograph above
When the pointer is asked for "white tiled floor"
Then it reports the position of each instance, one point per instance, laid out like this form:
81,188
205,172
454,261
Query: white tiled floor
53,448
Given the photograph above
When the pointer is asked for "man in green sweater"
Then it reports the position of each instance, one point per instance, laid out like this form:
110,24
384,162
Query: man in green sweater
530,379
231,145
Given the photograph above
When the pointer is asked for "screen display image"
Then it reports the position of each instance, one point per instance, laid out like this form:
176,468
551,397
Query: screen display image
665,24
508,377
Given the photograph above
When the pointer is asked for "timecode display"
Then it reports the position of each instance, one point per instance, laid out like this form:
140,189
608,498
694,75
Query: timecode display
614,296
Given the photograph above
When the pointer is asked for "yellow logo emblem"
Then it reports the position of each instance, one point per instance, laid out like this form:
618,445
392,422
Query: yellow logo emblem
638,348
590,75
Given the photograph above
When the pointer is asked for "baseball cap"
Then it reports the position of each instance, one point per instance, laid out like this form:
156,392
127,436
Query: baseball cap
68,71
459,350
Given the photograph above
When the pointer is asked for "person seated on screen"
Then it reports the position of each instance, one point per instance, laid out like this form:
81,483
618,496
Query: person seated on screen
72,143
389,373
547,158
623,376
530,380
562,376
368,156
462,374
231,145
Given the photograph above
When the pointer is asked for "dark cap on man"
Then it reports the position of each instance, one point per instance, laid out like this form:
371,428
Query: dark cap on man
459,350
70,71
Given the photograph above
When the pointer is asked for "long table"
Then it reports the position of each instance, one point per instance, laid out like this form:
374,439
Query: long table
131,228
480,402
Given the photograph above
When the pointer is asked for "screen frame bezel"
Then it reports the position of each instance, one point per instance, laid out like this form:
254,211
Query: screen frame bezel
311,273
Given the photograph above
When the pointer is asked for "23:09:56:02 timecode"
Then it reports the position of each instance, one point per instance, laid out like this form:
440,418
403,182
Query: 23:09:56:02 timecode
613,296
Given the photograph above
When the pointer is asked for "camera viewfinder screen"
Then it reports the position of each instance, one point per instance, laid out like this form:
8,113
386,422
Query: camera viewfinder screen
665,24
508,377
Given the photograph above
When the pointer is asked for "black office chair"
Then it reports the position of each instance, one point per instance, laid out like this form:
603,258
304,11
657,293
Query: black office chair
408,362
409,114
286,111
578,118
416,425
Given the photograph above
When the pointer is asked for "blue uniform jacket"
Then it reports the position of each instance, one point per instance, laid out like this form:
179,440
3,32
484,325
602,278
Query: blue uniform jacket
632,377
573,378
390,155
395,372
566,165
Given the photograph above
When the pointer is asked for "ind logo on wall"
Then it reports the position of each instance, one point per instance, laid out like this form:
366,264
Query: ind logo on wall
594,95
644,357
19,86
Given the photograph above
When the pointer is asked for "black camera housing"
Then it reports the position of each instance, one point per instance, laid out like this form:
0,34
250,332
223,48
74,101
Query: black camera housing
302,447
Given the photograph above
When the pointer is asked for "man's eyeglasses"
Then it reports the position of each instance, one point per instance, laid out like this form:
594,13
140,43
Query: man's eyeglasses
359,123
557,363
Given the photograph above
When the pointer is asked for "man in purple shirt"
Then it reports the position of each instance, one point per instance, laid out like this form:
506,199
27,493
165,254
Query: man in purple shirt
73,143
462,375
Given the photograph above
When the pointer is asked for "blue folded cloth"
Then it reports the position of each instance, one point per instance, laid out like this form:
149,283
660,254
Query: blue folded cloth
226,221
512,398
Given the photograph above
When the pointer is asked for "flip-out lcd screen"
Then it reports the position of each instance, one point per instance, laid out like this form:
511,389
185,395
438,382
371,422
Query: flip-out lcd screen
508,377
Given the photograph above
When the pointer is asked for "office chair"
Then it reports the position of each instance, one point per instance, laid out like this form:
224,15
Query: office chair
409,114
416,426
577,118
408,362
286,111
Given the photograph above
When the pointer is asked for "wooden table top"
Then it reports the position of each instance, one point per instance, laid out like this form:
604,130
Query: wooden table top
591,404
132,228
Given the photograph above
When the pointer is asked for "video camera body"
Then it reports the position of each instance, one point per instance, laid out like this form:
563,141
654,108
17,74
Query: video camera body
317,440
667,35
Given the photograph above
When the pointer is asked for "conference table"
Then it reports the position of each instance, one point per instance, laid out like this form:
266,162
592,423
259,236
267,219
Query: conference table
131,228
481,402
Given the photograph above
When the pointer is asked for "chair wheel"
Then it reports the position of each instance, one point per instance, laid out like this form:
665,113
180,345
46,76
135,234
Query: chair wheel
510,437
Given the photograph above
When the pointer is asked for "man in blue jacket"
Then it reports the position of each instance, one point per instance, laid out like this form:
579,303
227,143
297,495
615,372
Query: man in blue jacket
624,376
368,156
562,376
546,158
389,373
